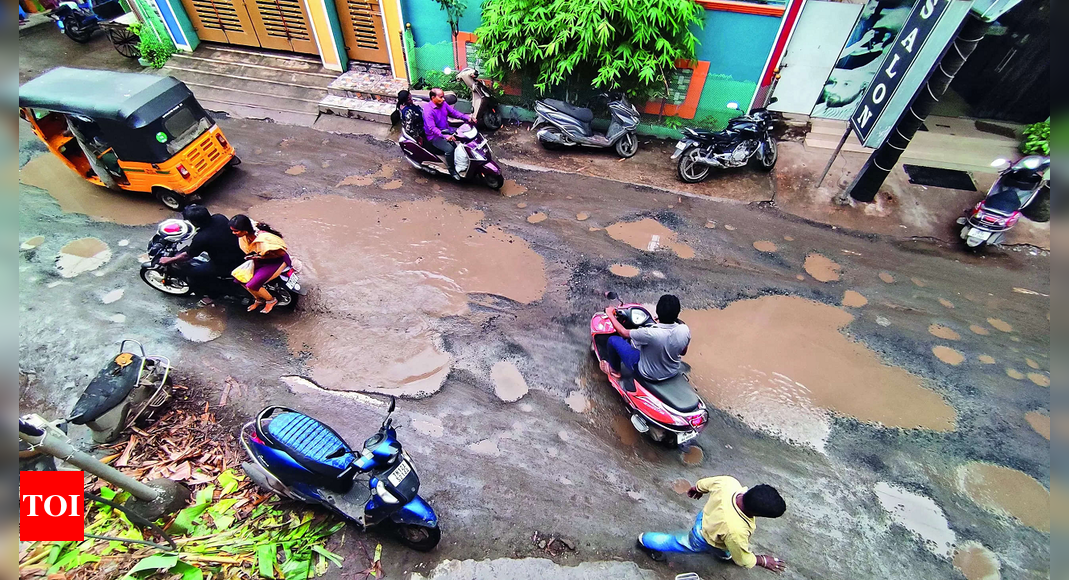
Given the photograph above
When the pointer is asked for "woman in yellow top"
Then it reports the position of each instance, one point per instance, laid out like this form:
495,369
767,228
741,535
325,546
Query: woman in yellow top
265,247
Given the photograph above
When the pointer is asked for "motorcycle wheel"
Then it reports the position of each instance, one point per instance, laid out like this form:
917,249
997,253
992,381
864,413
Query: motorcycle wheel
627,145
493,180
767,162
689,169
491,120
173,286
419,538
76,31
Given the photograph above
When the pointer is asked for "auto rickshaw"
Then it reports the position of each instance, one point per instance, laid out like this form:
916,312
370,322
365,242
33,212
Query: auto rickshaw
125,131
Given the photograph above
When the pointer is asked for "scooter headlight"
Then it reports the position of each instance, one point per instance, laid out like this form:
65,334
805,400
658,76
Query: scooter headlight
384,494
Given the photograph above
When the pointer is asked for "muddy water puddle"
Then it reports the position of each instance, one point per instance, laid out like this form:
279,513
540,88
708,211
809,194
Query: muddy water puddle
582,216
80,256
693,455
977,562
1014,374
948,355
854,299
946,303
764,246
986,359
821,268
649,235
512,189
887,277
32,243
422,258
112,296
681,486
979,330
781,363
578,402
918,514
76,195
1039,422
537,217
625,431
1031,363
1006,491
944,332
509,384
624,270
1039,379
1000,324
296,170
201,324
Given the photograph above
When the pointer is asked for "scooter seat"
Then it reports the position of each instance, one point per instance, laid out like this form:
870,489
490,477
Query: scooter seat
583,114
107,389
675,392
309,442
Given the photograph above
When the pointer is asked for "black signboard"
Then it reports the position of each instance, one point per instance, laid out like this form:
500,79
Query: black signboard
899,58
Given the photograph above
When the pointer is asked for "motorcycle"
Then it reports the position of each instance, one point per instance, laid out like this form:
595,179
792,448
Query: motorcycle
745,140
79,21
295,456
569,126
472,156
1018,188
174,235
670,411
132,386
483,103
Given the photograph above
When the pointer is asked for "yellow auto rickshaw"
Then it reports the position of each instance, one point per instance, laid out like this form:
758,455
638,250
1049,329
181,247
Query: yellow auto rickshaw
126,131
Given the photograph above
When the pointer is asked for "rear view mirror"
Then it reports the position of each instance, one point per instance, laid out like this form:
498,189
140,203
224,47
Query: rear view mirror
733,105
773,100
611,295
393,404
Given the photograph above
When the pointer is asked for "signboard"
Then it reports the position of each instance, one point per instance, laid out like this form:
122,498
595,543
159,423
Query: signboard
899,58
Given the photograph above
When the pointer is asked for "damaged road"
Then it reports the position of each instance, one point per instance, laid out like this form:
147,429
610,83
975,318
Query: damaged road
887,388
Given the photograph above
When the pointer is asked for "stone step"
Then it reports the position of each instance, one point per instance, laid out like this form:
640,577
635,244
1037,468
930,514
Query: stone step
367,86
282,90
237,55
252,71
246,111
255,98
368,110
830,141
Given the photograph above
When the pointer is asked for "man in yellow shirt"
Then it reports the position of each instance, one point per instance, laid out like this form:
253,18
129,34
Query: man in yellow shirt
724,526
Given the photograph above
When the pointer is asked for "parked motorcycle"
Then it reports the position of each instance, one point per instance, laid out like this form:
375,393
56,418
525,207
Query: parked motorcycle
130,387
747,139
669,411
483,103
1018,188
295,456
79,22
472,156
569,126
172,237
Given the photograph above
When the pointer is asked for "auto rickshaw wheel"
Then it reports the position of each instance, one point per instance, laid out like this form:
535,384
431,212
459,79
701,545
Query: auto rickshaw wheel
172,200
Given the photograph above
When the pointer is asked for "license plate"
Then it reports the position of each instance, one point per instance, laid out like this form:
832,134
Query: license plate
979,234
684,437
400,473
681,145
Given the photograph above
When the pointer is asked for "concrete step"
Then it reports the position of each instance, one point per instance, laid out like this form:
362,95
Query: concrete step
256,98
237,55
368,110
367,86
830,141
254,74
197,80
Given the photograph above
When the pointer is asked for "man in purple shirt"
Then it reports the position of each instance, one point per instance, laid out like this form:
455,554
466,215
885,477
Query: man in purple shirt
436,127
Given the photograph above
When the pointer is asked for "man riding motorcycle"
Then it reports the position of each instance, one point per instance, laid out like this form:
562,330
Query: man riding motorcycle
214,237
654,351
436,127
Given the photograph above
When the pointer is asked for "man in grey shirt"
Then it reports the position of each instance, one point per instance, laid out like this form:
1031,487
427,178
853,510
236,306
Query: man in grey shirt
654,351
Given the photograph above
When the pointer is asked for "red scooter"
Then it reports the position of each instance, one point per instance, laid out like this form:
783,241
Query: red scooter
669,411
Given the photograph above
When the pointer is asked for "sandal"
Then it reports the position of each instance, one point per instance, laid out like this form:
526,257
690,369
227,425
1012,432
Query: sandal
256,304
203,302
269,305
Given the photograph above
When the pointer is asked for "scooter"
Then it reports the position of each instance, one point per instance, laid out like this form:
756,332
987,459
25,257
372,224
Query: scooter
569,126
472,156
173,236
131,387
670,411
747,139
295,456
79,20
1017,188
483,103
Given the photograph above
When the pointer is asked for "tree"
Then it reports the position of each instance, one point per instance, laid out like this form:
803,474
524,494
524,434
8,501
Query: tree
630,44
454,9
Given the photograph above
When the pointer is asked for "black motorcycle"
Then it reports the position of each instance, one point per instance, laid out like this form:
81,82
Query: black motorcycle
747,139
173,236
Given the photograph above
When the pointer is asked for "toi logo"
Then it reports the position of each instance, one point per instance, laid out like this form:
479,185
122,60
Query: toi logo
51,506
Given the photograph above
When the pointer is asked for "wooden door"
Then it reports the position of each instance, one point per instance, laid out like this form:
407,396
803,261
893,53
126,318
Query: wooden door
225,21
282,25
361,24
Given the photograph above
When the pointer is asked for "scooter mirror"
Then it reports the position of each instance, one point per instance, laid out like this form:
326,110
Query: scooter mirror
1000,163
733,105
611,295
393,404
773,100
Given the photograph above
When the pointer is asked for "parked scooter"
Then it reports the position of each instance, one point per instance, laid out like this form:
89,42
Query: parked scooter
472,156
76,22
1018,187
131,387
483,103
747,139
669,411
173,236
569,126
295,456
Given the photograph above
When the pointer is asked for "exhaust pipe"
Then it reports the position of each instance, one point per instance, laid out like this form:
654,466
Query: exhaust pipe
547,136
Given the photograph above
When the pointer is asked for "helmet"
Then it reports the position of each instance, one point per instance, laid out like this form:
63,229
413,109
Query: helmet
174,230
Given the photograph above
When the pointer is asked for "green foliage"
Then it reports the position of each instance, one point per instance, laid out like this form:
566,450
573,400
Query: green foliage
674,122
619,45
153,50
435,78
454,9
1036,139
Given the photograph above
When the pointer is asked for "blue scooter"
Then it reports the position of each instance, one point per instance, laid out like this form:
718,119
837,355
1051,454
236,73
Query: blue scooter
295,456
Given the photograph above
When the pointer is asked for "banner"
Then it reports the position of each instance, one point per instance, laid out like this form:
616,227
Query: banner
873,35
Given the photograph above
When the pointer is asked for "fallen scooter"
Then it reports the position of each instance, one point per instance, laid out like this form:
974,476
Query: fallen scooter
1018,189
131,387
173,236
295,456
670,411
564,125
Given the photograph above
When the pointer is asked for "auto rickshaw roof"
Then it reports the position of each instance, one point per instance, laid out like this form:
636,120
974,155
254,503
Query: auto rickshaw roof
129,98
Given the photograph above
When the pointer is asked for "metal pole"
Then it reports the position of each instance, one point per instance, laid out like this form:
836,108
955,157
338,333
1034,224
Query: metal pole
834,156
34,430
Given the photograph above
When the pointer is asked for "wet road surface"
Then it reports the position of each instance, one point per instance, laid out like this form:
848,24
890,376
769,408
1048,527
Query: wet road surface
894,391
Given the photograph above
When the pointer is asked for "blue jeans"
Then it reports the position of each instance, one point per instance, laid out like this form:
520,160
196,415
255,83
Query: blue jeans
688,542
628,355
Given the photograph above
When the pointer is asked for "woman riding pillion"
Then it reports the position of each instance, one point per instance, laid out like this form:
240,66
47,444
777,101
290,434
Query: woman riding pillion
266,250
